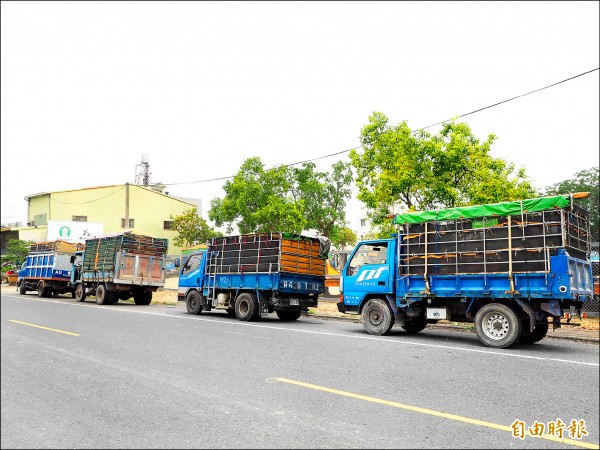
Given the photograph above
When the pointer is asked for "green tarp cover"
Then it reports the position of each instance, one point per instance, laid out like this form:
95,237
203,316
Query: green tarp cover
490,210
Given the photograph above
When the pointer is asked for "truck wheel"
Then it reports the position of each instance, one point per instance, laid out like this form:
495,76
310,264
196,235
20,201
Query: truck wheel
22,288
101,295
80,293
377,317
415,325
43,290
531,337
111,297
288,315
497,325
246,307
193,303
142,298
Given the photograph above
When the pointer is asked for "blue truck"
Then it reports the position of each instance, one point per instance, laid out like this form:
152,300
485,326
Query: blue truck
511,268
255,274
47,268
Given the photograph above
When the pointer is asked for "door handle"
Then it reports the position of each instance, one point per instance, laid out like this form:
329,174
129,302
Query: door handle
381,283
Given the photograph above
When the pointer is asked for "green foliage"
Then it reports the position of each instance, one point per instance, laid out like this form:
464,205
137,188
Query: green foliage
16,251
583,181
192,229
323,195
283,199
342,237
398,169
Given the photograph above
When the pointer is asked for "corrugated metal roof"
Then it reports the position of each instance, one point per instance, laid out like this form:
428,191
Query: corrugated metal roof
40,194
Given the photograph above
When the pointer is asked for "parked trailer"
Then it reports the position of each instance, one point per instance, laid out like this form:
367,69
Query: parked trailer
506,267
252,275
47,268
120,266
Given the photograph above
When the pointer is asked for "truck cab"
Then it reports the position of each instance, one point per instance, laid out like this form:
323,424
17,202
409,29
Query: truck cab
369,272
191,274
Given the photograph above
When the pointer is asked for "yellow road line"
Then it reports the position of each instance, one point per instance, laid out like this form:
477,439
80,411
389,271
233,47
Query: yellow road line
431,412
45,328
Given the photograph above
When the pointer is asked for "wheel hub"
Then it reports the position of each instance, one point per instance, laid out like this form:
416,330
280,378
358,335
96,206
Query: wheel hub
496,326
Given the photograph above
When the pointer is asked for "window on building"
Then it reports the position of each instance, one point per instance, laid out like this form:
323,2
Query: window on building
131,223
79,218
168,225
363,222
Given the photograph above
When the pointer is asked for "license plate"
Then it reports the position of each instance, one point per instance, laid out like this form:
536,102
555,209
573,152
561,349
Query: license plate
294,302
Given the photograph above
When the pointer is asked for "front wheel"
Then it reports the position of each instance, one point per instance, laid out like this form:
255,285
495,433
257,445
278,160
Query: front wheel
497,325
80,293
246,307
377,317
531,337
22,288
193,303
288,315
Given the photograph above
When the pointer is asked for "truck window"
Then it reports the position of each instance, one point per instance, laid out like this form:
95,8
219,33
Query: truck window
367,254
191,264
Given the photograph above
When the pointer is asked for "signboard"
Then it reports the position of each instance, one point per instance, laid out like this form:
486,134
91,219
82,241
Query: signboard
73,231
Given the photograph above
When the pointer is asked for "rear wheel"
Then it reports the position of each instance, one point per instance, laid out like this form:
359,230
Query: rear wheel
288,315
102,298
43,290
22,288
415,325
497,325
377,317
80,293
142,298
193,303
246,307
531,337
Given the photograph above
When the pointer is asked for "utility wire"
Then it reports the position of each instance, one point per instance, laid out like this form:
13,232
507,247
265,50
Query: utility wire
414,131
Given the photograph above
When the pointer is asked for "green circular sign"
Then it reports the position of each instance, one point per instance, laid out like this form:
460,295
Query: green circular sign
64,231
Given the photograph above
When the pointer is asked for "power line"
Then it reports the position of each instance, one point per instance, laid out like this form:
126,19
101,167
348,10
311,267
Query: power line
414,131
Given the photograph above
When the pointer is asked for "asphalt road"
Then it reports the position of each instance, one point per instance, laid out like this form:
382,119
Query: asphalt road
80,375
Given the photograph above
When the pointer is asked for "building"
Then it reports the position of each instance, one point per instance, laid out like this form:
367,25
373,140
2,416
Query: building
100,210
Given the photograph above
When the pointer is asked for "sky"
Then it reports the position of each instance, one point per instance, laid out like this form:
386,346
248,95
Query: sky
199,87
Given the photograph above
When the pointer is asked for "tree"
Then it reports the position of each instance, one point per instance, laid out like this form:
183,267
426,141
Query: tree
324,196
192,229
16,251
583,181
283,198
401,169
342,237
258,200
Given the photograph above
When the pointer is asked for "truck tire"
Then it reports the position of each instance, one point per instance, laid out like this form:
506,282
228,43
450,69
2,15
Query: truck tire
193,303
415,325
142,298
377,317
43,290
79,293
246,307
112,297
102,297
531,337
497,325
22,288
288,315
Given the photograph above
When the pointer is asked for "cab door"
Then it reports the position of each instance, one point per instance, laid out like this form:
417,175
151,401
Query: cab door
367,272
